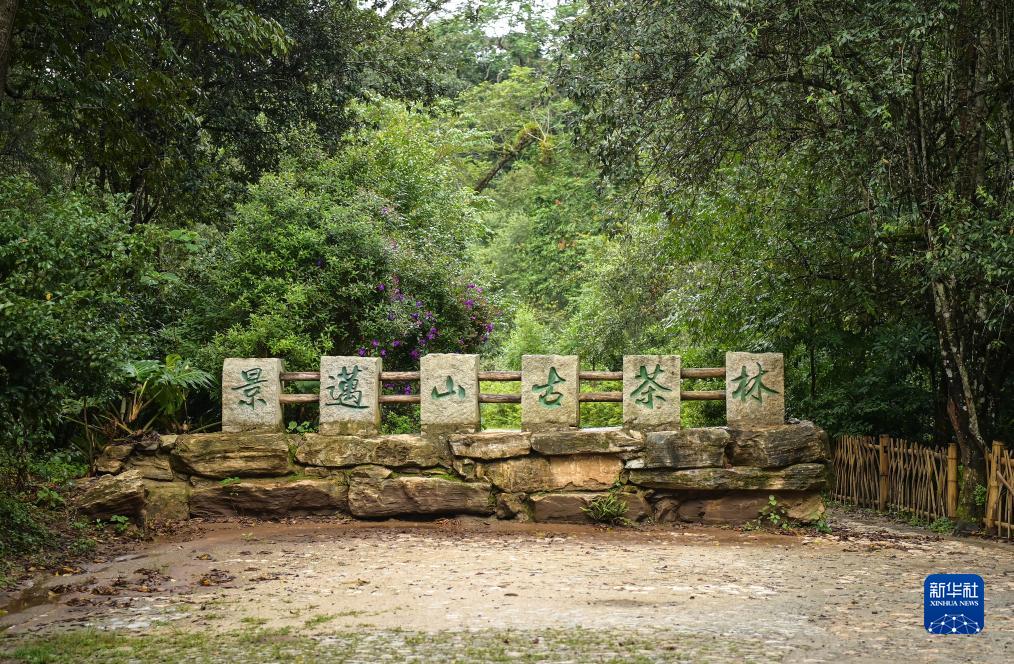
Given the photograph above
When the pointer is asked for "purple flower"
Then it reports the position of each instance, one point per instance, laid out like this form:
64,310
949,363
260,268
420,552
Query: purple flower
408,389
470,286
489,327
362,352
478,290
429,315
414,354
383,353
431,334
415,316
375,343
398,297
395,343
385,210
418,303
380,287
390,315
469,303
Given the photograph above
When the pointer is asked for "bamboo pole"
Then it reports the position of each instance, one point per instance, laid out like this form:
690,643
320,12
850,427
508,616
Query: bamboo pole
992,485
952,480
882,496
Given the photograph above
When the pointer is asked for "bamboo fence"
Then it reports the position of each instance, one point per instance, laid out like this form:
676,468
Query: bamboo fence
884,472
1000,491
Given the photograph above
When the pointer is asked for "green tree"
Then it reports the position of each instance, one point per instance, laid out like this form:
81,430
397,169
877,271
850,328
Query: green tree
906,104
66,320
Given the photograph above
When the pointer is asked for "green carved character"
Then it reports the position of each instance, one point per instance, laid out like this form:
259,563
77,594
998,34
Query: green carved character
344,390
251,387
751,387
549,397
645,392
450,389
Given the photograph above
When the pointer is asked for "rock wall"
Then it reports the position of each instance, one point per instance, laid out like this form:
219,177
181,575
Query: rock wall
709,475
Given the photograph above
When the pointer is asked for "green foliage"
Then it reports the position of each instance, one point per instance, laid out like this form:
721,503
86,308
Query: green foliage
609,508
981,491
65,314
351,254
22,531
827,183
942,525
300,427
774,514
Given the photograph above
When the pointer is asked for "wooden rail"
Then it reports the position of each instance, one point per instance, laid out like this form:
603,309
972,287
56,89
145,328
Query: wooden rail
484,397
511,376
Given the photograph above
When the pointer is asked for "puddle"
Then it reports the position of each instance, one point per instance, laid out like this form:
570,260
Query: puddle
34,595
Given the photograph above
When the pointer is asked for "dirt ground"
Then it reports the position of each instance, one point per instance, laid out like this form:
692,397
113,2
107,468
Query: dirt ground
474,590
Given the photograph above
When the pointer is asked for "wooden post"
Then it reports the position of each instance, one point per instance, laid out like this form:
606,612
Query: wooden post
882,499
952,480
992,485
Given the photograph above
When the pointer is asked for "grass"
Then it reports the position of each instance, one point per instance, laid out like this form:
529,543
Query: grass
272,645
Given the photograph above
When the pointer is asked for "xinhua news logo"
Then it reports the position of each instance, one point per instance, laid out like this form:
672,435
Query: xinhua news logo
954,604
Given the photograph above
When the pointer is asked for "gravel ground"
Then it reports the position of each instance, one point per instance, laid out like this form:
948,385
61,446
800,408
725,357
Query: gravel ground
471,590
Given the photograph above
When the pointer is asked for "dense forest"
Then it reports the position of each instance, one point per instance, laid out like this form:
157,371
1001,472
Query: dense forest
187,180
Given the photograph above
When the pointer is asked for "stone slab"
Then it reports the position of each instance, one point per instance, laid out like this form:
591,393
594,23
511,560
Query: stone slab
418,495
152,467
651,392
774,447
569,507
801,477
350,395
222,455
250,391
396,451
741,507
491,444
166,501
591,472
754,389
112,495
271,498
687,448
549,389
597,440
449,393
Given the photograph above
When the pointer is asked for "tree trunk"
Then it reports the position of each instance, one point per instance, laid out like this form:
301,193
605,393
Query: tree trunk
968,406
8,9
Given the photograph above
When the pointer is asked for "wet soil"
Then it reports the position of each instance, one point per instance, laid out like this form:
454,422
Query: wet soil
853,595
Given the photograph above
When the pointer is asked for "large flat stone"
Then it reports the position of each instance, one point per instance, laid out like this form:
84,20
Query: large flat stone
491,444
396,451
151,466
570,507
221,455
605,440
528,474
688,448
775,447
251,387
740,507
271,498
801,477
418,495
113,495
166,501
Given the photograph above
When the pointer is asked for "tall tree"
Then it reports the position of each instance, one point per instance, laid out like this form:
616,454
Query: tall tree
909,102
